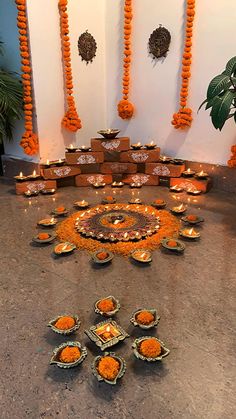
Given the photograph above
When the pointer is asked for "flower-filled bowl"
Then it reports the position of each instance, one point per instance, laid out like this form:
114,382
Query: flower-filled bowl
145,318
65,324
109,368
102,256
109,200
192,219
43,238
68,355
150,349
107,306
60,211
159,203
174,245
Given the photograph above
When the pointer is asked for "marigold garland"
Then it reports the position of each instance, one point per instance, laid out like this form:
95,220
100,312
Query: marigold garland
232,161
71,120
183,118
170,226
29,141
125,107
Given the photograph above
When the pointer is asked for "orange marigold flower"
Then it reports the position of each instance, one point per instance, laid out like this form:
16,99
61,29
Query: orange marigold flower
102,255
108,367
150,348
106,305
43,236
70,354
145,317
65,323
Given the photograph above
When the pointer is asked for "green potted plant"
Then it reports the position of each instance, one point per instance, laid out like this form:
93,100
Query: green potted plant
11,100
221,96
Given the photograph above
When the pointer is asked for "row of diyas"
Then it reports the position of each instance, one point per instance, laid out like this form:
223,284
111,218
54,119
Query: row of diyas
23,178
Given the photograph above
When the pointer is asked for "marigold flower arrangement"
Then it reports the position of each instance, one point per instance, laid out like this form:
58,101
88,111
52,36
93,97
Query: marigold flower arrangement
65,323
183,118
106,305
71,120
43,236
125,107
108,367
159,201
60,209
232,160
145,317
102,255
172,243
70,354
150,348
191,217
29,141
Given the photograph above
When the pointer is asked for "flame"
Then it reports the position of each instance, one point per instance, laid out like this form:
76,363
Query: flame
71,146
189,170
142,256
191,231
181,206
34,173
108,329
48,161
21,174
201,173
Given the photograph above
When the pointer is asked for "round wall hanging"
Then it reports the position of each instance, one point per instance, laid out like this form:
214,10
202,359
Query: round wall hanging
87,47
159,42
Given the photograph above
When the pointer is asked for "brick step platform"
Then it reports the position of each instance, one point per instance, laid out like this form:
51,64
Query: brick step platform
90,179
35,185
60,172
165,170
203,185
116,167
80,157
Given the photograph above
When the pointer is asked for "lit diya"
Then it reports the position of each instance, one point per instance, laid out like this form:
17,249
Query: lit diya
109,200
145,318
159,203
165,159
136,146
135,201
192,219
65,324
136,185
201,175
176,189
29,194
177,162
20,177
179,209
117,185
59,162
141,255
48,163
48,191
174,245
64,248
108,368
72,148
60,211
150,146
68,355
102,256
81,204
106,334
34,175
189,233
98,185
193,191
109,133
107,306
188,173
84,148
149,349
47,222
42,238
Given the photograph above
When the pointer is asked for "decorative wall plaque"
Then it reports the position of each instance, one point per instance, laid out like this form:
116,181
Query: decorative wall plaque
159,42
87,47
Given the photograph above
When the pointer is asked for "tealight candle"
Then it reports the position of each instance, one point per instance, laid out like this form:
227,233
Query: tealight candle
202,175
84,148
136,185
188,173
82,204
71,149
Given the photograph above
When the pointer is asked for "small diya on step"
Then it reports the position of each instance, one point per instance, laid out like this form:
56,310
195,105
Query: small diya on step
149,349
81,204
141,255
29,194
192,219
109,133
136,185
65,324
102,256
34,176
150,146
72,148
98,185
21,177
193,191
136,146
69,355
135,201
174,245
47,222
145,318
188,173
158,203
109,368
85,148
177,162
189,233
117,184
60,211
64,248
176,189
106,334
165,159
107,306
43,238
202,175
180,209
48,191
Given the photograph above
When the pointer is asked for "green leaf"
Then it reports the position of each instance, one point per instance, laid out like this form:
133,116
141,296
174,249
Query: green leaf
219,83
221,109
230,66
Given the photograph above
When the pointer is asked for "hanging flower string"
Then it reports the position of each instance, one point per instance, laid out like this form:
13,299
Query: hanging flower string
126,108
71,120
183,118
29,141
232,161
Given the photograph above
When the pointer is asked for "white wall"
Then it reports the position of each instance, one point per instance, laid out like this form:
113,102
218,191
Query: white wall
155,86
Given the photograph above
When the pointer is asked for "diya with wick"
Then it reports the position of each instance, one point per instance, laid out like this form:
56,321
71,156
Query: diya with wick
193,192
150,349
202,175
106,334
150,146
34,176
117,185
59,162
98,185
179,209
190,233
135,201
141,255
176,189
47,222
109,133
136,146
188,173
174,245
177,162
81,204
71,149
48,191
107,306
85,148
109,368
64,248
63,357
20,177
136,185
30,194
59,326
165,159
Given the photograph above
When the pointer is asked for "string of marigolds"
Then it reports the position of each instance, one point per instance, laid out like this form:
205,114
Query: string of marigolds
71,120
29,141
126,108
183,118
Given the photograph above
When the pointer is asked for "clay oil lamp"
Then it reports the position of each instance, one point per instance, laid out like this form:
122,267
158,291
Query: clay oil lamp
159,203
173,245
136,185
109,200
98,185
194,192
102,256
192,219
47,164
150,146
136,146
48,191
165,159
176,189
47,222
135,201
60,211
109,133
64,248
202,175
141,256
44,238
189,233
84,148
21,177
188,173
177,162
34,176
81,204
150,349
106,334
71,149
145,318
69,355
109,368
64,324
59,162
30,194
117,185
107,306
180,209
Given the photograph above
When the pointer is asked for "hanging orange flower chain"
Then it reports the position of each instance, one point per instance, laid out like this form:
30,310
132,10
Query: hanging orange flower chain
29,141
126,108
232,160
71,120
183,118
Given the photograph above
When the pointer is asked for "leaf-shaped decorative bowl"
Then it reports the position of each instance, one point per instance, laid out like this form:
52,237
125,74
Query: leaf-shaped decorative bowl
164,351
56,353
47,222
196,221
109,313
67,331
179,248
154,323
102,261
50,239
64,248
141,255
121,370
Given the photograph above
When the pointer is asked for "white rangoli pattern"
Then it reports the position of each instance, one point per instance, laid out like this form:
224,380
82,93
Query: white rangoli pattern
95,179
85,159
140,179
35,187
161,171
139,157
63,171
111,145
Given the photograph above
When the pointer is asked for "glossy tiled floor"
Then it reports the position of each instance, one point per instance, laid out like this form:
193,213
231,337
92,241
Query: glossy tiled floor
194,294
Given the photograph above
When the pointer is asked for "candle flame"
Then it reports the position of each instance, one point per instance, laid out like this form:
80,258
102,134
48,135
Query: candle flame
191,231
189,170
108,329
34,173
71,146
181,206
142,255
201,173
152,142
21,174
